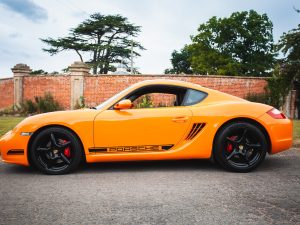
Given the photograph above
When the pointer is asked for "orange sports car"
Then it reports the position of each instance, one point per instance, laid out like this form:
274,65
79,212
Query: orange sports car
152,120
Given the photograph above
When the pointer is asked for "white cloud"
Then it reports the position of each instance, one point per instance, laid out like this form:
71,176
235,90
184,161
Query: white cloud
27,8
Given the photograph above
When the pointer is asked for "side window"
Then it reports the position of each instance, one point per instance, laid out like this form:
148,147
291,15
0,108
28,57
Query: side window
155,96
193,97
155,100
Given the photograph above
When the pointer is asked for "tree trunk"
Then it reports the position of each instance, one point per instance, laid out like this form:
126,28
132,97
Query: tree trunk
94,62
80,56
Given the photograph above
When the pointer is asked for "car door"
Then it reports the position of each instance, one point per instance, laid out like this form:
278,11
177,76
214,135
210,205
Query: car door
143,129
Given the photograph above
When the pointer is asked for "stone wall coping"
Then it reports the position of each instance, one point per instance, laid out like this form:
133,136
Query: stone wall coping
49,75
177,75
145,75
6,78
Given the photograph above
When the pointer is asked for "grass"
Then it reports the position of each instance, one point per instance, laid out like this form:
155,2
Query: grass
296,130
9,122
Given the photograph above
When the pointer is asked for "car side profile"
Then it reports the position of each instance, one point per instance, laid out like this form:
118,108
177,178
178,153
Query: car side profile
152,120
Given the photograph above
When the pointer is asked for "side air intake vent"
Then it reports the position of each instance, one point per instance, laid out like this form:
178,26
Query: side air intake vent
15,152
197,127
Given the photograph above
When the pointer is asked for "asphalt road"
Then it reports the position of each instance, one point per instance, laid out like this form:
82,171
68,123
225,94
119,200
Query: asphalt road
176,192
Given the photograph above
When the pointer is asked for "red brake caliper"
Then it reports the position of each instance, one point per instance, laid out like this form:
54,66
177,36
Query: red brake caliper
229,146
67,150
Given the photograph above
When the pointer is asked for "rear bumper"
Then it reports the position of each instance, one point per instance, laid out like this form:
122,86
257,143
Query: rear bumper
280,132
13,148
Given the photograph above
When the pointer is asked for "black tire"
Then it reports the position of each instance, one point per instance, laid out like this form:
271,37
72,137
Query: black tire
240,147
55,151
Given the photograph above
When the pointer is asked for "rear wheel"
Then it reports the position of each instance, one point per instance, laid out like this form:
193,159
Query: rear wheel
240,147
56,151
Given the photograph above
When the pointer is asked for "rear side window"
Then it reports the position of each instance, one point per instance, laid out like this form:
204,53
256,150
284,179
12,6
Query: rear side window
193,97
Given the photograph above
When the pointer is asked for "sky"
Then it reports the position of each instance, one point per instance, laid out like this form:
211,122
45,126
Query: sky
166,25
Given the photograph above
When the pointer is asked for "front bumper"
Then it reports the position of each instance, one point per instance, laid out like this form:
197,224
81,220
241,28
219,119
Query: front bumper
13,148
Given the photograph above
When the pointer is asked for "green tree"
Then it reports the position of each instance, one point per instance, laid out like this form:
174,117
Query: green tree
289,44
241,44
42,72
286,71
38,72
144,102
180,62
289,73
108,39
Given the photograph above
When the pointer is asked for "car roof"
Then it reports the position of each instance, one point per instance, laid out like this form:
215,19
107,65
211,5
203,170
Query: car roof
168,82
215,95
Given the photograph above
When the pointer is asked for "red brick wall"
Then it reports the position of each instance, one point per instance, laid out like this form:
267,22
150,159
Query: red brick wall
6,92
58,86
99,88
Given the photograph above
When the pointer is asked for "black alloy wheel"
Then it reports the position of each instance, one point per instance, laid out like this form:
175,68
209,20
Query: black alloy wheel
56,151
240,147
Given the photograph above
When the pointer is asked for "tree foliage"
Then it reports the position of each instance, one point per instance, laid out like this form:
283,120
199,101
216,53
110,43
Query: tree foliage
107,39
241,44
42,72
286,70
180,62
282,80
144,102
289,44
38,72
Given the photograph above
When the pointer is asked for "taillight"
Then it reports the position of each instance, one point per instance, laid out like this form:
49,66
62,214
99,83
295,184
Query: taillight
276,114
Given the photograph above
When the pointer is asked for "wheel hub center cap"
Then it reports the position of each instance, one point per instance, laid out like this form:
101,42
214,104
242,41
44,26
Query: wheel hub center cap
55,151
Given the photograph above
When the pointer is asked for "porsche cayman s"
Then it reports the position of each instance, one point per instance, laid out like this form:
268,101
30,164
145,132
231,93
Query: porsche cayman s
152,120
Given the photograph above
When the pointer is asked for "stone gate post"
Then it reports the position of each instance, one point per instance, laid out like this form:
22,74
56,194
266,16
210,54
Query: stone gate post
19,71
78,71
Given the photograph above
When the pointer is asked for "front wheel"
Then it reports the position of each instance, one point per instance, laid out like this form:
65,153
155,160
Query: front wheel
55,151
240,147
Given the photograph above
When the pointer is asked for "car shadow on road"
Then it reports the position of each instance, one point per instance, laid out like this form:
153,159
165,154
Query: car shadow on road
106,167
181,165
269,164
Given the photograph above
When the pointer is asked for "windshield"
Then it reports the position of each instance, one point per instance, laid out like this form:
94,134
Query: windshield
112,99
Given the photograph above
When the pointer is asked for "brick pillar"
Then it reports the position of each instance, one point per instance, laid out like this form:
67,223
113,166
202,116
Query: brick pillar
78,71
19,71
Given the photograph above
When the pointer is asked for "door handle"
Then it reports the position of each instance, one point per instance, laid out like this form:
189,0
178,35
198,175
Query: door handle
180,119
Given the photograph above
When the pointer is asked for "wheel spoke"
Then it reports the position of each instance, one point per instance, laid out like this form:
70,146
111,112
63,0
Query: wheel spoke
65,144
53,140
43,149
54,158
245,157
253,145
243,137
47,165
65,159
234,152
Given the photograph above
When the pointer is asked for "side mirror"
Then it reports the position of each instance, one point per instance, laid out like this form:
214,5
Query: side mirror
123,104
